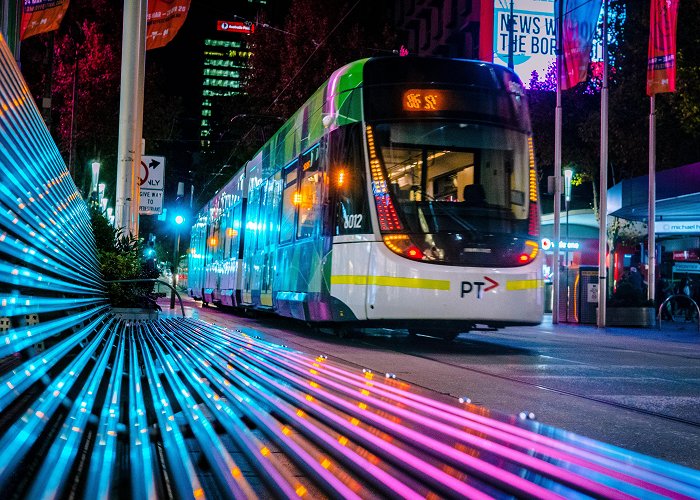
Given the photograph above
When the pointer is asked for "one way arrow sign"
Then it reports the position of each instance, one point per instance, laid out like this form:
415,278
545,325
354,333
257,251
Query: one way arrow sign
151,181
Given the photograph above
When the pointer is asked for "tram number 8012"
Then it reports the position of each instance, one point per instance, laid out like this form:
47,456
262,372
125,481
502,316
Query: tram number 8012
353,221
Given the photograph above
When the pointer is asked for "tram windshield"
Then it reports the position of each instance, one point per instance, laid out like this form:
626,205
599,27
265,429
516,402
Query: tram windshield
467,180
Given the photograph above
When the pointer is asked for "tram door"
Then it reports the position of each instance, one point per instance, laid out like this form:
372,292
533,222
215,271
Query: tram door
267,244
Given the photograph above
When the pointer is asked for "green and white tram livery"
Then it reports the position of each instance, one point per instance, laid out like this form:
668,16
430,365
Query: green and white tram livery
402,194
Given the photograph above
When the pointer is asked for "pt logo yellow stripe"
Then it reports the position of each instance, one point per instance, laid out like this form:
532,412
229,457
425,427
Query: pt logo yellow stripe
523,284
349,279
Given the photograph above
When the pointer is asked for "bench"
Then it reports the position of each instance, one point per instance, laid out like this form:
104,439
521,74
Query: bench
92,405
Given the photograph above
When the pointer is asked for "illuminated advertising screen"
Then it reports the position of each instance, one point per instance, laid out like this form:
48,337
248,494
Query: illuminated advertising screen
534,39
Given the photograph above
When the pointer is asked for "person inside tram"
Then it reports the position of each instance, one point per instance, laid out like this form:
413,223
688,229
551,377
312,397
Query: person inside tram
474,195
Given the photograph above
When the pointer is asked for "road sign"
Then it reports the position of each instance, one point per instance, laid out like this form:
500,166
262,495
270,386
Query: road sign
151,180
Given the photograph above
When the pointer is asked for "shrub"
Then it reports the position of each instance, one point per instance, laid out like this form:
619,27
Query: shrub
120,259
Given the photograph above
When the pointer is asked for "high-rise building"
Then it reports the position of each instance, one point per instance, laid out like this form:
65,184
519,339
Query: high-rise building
225,62
226,55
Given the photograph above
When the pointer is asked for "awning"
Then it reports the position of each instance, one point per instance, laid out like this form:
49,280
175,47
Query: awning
677,196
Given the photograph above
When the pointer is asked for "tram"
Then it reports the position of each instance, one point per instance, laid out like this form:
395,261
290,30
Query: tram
402,194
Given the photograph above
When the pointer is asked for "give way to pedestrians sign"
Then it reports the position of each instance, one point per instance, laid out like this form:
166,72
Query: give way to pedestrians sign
151,182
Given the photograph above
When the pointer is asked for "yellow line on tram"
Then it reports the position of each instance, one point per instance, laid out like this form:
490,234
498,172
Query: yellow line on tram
350,279
523,284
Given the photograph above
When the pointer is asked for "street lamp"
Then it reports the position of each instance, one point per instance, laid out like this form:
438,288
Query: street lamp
568,175
94,186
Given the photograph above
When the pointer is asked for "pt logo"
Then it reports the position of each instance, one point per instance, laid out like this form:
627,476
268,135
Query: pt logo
477,287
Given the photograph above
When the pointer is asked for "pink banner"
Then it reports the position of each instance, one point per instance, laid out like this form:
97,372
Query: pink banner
41,16
579,23
165,18
661,67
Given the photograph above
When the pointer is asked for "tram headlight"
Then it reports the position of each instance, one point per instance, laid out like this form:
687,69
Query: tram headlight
530,251
401,244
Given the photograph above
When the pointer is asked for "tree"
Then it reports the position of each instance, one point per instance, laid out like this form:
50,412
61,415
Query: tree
288,65
83,74
678,122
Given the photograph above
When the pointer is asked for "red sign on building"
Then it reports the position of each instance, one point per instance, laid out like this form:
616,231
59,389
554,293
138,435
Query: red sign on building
687,255
235,27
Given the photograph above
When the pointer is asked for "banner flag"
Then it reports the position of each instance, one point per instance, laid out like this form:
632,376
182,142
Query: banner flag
579,23
661,67
164,20
41,16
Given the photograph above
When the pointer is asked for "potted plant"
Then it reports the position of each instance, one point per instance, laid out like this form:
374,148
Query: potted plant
120,259
629,307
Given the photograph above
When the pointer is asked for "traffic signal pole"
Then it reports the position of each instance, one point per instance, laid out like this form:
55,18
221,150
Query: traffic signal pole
176,258
178,220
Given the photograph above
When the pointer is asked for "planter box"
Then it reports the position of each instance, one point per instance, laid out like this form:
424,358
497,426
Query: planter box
630,316
135,313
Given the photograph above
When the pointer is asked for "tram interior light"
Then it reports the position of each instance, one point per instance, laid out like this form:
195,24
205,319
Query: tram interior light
341,177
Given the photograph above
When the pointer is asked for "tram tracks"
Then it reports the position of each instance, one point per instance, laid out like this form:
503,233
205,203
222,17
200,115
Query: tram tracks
539,385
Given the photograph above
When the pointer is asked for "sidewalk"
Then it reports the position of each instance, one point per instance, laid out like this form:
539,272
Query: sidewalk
675,331
686,332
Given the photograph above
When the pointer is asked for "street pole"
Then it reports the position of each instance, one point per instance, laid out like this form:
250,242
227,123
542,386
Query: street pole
176,258
566,259
511,37
603,190
130,112
557,171
651,220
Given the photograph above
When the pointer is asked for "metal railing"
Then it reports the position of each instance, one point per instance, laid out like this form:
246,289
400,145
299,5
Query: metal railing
154,280
669,299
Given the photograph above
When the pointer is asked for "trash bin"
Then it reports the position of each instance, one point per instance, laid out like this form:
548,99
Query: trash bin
588,294
578,295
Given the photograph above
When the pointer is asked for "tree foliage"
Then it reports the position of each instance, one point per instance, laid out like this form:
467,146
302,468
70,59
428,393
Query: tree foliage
83,74
677,114
289,64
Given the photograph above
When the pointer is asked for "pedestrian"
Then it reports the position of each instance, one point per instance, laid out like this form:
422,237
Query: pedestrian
663,291
685,289
635,279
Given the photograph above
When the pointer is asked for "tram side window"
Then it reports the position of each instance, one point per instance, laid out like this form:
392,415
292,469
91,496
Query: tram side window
215,240
310,190
348,182
273,195
290,199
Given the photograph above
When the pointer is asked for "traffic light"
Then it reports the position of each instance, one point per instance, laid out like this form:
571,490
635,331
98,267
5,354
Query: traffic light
150,255
179,212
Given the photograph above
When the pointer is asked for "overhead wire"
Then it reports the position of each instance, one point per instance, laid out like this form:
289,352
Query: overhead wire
250,131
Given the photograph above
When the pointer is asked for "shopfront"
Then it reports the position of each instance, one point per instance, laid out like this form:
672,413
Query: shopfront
677,225
578,253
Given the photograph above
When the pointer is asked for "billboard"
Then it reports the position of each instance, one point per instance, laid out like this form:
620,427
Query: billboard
534,37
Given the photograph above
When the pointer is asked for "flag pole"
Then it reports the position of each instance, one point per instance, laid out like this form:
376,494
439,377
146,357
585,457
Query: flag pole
557,172
126,213
603,190
651,220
